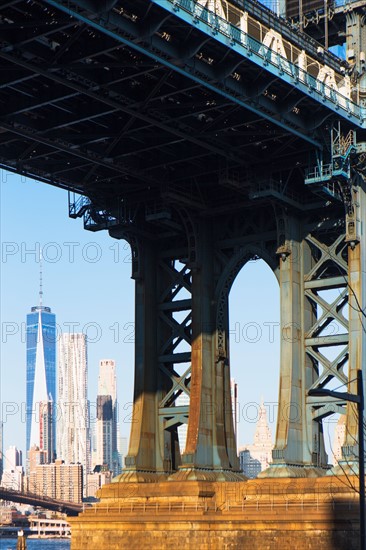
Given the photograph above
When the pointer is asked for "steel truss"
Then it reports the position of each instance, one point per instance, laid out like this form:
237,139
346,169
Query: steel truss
177,332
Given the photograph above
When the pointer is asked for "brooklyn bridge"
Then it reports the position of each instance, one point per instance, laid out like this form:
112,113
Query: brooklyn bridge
208,133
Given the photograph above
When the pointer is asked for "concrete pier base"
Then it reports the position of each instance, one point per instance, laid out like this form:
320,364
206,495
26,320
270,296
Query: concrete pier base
267,514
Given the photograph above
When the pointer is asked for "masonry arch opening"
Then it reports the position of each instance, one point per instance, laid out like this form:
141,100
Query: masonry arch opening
254,333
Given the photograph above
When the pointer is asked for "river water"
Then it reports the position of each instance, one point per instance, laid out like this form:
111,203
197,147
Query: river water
36,544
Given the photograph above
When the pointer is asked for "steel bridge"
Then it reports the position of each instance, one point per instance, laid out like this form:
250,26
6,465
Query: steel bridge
69,508
206,133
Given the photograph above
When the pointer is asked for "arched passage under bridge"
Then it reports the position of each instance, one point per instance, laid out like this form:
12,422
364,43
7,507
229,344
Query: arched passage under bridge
306,259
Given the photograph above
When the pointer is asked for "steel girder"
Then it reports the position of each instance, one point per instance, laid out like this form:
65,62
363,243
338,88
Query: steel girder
144,39
149,114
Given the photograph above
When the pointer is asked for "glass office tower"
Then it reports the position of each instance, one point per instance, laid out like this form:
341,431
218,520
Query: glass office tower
41,372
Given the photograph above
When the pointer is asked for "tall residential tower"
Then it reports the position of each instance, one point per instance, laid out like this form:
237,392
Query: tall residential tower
73,438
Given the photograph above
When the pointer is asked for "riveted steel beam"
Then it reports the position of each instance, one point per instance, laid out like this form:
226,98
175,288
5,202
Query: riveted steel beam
127,33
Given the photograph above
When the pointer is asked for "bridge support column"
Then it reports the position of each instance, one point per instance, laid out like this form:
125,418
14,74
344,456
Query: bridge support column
159,336
299,447
357,335
210,449
144,458
177,355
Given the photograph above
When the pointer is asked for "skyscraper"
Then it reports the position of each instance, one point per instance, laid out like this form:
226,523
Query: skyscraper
13,458
104,429
13,474
41,374
46,419
260,452
73,438
107,379
107,416
250,466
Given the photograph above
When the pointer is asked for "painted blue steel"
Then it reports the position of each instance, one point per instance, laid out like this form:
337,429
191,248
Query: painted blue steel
328,173
349,3
100,26
267,17
235,39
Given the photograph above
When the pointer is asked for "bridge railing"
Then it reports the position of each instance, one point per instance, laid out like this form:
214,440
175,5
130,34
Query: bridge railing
275,187
316,506
289,64
317,172
78,205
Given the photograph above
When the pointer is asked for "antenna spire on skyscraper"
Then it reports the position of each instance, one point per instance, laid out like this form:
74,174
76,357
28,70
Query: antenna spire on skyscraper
40,279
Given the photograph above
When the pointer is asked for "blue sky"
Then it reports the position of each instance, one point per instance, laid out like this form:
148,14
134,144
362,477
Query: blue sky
87,284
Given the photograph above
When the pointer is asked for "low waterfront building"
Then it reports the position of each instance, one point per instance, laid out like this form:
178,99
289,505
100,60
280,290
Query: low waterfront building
40,527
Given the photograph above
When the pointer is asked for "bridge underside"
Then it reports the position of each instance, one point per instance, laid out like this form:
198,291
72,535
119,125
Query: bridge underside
144,105
196,155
